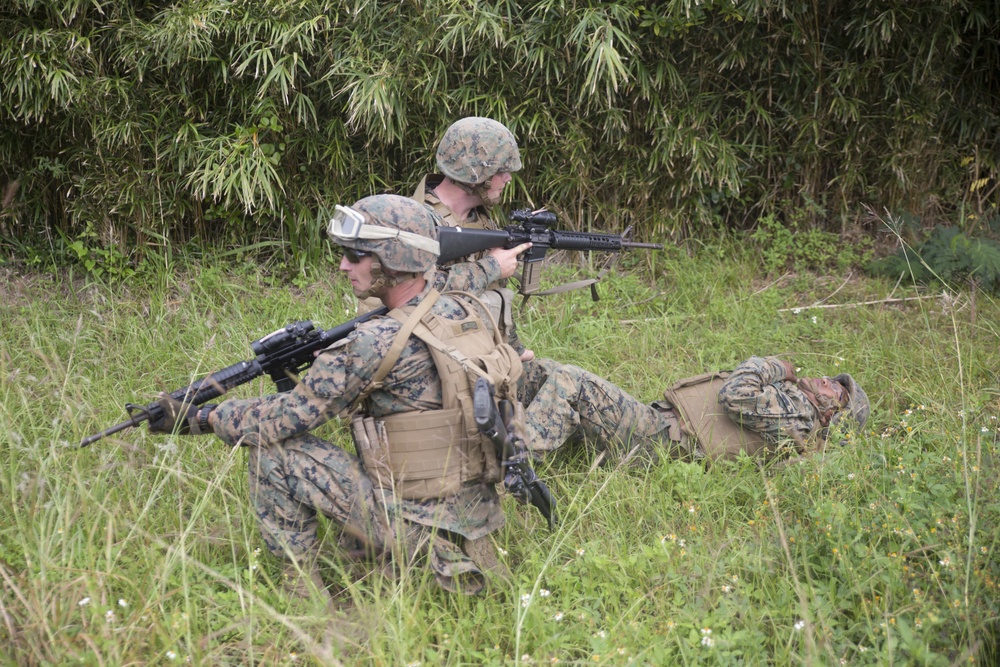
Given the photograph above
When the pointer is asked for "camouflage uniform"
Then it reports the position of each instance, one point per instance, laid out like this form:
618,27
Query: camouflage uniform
572,404
295,475
757,397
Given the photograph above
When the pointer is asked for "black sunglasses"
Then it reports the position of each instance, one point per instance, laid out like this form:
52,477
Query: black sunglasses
354,256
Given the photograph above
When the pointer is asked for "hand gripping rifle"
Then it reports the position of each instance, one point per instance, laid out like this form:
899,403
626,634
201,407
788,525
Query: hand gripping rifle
519,479
533,227
282,355
291,350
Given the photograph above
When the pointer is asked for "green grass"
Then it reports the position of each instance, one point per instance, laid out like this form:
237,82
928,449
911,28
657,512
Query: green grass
143,549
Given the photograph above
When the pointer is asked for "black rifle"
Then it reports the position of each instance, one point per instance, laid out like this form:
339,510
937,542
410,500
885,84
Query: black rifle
287,352
519,478
533,227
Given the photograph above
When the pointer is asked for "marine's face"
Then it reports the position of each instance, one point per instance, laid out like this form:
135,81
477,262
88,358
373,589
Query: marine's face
358,272
497,183
826,388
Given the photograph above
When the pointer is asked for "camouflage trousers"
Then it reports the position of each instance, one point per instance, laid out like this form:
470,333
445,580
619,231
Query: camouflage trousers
536,373
293,481
574,405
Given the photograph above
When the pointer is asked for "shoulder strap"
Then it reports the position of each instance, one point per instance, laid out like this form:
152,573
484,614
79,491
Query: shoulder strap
398,343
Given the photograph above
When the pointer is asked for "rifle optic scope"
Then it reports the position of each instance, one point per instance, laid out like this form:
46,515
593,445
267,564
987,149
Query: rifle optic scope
541,217
276,340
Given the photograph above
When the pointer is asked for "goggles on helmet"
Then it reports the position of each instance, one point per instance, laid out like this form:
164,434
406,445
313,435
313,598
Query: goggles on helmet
348,224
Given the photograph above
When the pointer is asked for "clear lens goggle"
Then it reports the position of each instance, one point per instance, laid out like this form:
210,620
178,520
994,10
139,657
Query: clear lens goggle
348,224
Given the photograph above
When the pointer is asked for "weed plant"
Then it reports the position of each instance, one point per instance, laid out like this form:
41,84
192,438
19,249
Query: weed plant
143,549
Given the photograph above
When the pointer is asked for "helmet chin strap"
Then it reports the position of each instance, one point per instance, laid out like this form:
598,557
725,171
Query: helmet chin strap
478,190
383,280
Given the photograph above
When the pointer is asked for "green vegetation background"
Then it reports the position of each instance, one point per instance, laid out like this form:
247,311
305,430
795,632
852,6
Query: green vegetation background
129,127
162,168
143,549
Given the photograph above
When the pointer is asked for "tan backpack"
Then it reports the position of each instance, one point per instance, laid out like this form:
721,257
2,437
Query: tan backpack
696,400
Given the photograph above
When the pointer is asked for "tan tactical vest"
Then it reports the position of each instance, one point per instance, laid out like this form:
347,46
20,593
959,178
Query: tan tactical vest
696,400
434,453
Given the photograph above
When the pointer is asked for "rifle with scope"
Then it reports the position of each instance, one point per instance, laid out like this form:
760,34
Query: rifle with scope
533,227
289,351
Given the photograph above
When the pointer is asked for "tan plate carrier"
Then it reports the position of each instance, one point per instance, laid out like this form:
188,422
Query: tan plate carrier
696,400
434,453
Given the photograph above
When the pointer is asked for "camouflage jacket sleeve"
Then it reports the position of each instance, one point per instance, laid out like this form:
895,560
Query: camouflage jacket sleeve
756,396
473,277
331,385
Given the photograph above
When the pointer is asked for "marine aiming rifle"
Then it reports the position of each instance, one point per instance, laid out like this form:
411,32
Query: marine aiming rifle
519,479
533,227
289,351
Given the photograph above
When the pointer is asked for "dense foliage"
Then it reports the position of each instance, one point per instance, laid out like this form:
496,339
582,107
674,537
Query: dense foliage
135,125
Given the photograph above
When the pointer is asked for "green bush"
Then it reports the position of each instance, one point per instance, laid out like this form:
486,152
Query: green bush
235,122
947,255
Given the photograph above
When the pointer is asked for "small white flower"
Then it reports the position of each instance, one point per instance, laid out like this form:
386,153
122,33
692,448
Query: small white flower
796,311
850,476
503,552
945,562
726,588
171,655
122,602
799,625
525,658
558,617
525,599
579,552
544,593
602,634
815,320
84,602
109,616
985,430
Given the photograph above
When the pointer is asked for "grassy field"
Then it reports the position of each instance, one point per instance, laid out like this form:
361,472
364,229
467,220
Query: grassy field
143,550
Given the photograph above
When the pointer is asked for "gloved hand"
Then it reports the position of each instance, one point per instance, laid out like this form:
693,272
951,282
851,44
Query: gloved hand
176,416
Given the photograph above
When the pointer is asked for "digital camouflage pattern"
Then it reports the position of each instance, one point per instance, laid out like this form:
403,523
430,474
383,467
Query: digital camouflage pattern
397,212
471,274
473,149
572,404
756,396
295,475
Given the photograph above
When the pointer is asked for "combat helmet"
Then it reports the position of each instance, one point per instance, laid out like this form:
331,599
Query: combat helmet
474,149
857,409
399,231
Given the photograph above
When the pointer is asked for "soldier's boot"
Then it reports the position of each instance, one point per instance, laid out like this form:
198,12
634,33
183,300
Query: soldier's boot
484,555
301,582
